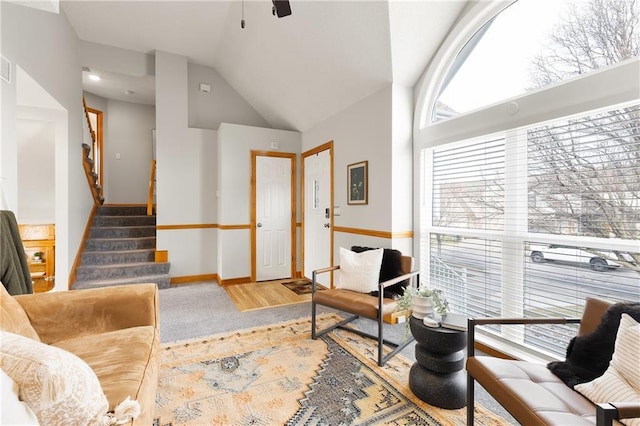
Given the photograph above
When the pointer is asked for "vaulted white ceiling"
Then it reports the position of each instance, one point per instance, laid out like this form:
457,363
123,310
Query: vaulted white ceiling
296,71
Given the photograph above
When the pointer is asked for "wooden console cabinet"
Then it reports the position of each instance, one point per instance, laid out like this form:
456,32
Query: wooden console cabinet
40,239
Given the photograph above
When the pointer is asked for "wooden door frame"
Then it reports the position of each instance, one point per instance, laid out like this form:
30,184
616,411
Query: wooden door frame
292,157
313,151
99,142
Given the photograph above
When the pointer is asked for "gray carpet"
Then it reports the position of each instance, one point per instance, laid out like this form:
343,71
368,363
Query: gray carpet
200,309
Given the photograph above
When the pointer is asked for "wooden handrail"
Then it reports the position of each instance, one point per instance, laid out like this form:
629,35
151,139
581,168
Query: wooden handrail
87,165
152,184
86,115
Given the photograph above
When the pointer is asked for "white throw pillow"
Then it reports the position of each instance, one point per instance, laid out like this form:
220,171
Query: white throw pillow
360,271
12,410
58,386
621,381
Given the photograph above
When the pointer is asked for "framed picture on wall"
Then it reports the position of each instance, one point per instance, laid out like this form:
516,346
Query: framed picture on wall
357,183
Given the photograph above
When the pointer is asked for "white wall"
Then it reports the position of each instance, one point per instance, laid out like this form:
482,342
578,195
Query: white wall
194,251
45,46
185,174
127,135
41,126
222,104
8,149
235,143
36,171
361,132
192,164
116,60
402,167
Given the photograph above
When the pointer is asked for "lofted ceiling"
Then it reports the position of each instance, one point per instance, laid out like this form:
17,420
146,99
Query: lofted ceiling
296,71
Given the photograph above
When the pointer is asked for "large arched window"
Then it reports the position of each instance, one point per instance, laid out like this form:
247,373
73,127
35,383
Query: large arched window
531,44
529,199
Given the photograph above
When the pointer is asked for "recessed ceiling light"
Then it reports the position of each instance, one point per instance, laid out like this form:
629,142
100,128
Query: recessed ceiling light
94,77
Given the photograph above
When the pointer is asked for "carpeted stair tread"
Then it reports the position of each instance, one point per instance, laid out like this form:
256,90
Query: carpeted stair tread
115,210
162,280
137,220
90,272
111,244
122,231
101,257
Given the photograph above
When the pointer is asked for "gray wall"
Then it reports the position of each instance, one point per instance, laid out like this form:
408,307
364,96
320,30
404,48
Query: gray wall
95,101
186,175
187,157
222,104
36,171
127,131
127,135
235,144
46,47
367,131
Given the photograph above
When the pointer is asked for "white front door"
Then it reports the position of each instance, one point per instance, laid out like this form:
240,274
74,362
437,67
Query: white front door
273,218
317,214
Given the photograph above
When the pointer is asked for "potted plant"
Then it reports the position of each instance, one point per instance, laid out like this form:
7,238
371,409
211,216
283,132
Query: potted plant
37,256
422,301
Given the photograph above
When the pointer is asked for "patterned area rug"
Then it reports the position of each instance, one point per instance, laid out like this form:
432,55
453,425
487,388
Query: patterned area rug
300,287
277,375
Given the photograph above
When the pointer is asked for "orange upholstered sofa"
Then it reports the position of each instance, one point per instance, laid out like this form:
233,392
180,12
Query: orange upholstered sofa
114,330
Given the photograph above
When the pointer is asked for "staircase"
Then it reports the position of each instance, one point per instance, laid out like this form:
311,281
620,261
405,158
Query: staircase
121,250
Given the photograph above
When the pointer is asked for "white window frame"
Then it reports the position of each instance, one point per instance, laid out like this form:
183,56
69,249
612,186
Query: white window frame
598,90
606,88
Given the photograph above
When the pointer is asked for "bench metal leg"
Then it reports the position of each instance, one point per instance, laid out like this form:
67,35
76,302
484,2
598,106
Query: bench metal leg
382,360
316,334
313,320
398,348
470,400
605,414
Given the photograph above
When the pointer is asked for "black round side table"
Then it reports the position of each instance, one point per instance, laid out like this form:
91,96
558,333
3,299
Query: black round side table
438,377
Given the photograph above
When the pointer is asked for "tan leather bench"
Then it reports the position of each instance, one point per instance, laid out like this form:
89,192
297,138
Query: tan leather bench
530,392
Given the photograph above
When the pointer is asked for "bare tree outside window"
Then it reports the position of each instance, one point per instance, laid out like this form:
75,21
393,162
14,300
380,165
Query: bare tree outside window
592,35
584,177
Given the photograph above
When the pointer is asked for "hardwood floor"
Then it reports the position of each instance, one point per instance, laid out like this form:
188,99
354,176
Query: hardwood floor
252,296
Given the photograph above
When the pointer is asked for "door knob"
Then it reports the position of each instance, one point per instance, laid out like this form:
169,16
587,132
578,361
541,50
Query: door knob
259,225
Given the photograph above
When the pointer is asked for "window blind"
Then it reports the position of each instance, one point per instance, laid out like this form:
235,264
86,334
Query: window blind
532,221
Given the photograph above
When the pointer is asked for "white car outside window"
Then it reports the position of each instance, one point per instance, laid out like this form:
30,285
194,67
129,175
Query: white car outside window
599,260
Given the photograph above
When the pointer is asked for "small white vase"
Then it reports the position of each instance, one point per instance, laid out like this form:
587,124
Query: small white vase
422,306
